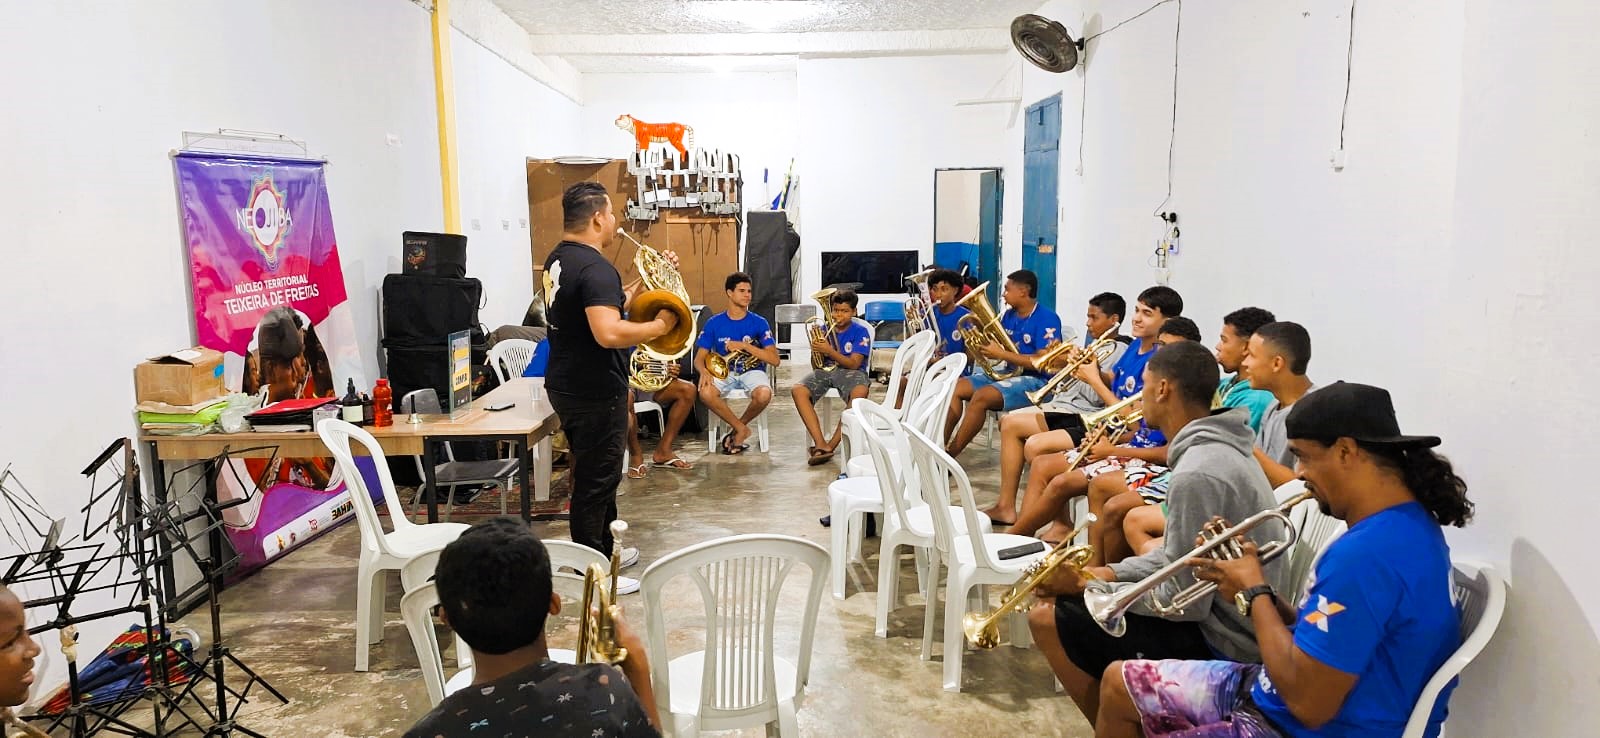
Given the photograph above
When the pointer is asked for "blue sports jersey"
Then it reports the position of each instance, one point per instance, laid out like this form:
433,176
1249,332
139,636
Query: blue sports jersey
538,361
950,338
719,329
1127,379
1236,392
1380,608
1033,333
853,341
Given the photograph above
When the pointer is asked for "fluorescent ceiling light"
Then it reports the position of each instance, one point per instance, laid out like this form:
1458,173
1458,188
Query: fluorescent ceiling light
760,15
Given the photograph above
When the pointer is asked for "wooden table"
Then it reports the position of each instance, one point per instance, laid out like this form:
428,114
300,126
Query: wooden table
529,421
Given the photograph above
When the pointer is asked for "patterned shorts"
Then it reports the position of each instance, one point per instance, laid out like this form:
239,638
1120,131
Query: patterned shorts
845,380
1196,699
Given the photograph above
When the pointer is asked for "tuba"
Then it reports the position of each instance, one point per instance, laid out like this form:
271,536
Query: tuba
1066,378
1108,607
983,630
648,372
821,329
597,629
665,292
981,328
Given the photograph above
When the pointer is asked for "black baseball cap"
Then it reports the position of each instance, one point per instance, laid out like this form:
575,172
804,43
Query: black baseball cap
1349,410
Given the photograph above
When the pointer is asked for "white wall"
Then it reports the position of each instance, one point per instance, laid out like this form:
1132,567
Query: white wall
752,114
873,130
1447,262
957,210
96,273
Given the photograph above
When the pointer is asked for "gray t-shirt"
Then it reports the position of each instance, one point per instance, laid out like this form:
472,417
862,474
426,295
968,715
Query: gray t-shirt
1082,398
1273,436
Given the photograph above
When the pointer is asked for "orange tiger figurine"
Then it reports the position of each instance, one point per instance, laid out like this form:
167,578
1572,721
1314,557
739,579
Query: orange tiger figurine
677,134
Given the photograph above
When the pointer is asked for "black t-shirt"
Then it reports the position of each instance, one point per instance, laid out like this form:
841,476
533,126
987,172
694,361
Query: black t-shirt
578,277
549,700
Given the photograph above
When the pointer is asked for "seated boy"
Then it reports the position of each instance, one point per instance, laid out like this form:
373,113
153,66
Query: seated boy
495,588
844,361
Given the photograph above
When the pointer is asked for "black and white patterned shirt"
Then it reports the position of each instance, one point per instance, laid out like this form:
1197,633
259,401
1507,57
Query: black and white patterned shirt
547,699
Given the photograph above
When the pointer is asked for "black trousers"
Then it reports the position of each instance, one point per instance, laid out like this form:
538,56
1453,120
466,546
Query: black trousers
1091,649
596,435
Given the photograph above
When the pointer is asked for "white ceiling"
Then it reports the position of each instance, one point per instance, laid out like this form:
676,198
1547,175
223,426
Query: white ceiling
598,36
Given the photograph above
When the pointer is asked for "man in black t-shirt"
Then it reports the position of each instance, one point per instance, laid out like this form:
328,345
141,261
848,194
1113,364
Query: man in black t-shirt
495,586
587,379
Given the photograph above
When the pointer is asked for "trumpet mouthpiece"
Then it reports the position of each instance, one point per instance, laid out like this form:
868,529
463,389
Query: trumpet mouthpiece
618,527
1090,518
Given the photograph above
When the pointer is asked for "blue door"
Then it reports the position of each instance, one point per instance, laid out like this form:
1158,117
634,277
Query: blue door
1041,176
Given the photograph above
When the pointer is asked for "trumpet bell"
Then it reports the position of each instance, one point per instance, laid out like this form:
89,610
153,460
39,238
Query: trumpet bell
1104,607
674,343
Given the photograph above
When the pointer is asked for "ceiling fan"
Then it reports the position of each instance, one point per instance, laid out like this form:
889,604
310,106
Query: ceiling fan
1045,43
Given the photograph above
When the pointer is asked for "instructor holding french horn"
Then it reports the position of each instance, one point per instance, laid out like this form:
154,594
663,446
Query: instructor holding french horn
587,380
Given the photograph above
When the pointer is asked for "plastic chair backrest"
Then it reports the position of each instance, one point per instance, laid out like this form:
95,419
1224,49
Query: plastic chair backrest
891,457
1317,530
794,313
910,361
739,579
1481,602
927,413
937,469
416,610
881,310
509,357
336,435
424,401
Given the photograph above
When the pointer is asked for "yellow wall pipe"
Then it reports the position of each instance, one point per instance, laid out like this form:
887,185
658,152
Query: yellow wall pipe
445,100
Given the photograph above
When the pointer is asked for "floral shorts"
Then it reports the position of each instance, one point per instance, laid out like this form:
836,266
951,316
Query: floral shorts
1196,699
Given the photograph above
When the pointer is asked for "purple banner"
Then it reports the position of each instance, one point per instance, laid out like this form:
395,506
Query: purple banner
269,294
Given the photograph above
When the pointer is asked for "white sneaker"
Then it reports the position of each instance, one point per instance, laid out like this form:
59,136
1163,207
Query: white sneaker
627,585
630,556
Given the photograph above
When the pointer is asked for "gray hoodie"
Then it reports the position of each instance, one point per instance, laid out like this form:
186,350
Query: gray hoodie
1213,473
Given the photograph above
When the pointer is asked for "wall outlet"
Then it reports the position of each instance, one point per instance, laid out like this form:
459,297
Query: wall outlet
523,222
505,224
1337,160
476,225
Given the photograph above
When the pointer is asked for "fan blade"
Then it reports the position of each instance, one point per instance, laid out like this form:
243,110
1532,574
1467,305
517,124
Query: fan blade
1044,42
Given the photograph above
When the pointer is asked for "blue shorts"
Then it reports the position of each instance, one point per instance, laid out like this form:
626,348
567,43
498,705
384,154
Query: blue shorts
1014,390
744,381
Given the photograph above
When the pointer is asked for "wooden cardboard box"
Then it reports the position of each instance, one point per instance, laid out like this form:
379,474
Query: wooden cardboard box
185,377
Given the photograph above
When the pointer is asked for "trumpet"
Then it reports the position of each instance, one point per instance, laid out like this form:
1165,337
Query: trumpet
665,292
982,327
720,366
821,329
1066,378
1108,423
648,372
983,629
1109,608
597,628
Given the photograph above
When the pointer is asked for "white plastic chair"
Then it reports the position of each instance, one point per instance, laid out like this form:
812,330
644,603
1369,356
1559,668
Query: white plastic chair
794,315
450,474
911,361
971,556
1481,602
738,680
508,358
416,608
640,407
944,373
380,551
907,520
715,426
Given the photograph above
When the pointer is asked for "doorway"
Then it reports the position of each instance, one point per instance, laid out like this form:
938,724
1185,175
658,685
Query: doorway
966,224
1041,176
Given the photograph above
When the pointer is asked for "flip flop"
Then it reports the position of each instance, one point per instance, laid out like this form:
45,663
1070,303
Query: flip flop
636,472
819,456
673,463
736,450
727,444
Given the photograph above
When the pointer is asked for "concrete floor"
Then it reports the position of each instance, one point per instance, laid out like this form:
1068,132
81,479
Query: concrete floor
294,621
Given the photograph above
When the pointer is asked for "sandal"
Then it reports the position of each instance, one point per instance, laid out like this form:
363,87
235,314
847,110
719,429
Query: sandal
819,456
727,444
636,472
673,463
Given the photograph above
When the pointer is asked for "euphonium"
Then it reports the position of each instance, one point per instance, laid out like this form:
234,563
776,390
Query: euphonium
982,327
821,329
1106,424
720,366
665,292
648,372
1108,607
1066,378
597,628
919,309
983,629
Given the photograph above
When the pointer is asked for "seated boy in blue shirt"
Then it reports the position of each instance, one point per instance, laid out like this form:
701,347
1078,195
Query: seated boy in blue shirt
1032,328
744,340
840,363
1376,623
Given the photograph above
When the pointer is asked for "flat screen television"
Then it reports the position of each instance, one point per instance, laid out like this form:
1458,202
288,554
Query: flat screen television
878,272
